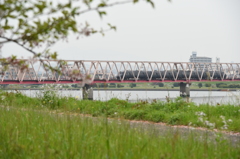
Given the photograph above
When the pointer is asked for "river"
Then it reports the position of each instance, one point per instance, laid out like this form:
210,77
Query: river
198,97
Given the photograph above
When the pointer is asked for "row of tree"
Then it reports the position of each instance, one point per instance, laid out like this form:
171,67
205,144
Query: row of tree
132,85
220,85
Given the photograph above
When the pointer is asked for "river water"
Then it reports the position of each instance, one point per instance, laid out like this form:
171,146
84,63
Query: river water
198,97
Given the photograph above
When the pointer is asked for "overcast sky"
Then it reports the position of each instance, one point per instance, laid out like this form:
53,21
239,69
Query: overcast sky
170,32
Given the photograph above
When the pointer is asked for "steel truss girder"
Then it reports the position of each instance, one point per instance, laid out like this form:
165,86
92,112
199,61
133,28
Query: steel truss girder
119,71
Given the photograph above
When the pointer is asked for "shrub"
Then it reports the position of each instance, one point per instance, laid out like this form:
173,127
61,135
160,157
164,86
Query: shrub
156,116
161,84
207,85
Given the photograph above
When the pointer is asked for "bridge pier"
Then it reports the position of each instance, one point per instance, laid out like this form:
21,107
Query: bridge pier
184,89
87,92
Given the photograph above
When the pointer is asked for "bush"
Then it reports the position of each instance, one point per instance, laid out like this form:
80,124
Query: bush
156,116
176,84
161,84
133,85
207,85
112,85
220,84
103,85
174,119
200,85
120,85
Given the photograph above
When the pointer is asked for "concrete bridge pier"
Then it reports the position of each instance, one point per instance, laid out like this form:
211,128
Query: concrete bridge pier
87,92
184,89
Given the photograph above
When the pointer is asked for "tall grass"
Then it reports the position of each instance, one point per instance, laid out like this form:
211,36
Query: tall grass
34,134
177,112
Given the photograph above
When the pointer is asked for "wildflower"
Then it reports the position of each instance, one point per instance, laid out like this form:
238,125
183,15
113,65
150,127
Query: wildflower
200,114
200,119
115,113
222,117
209,124
3,97
229,120
224,127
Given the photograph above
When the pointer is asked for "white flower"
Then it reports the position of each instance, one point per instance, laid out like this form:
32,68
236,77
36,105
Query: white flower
206,122
229,120
211,125
200,119
115,113
200,113
3,97
222,117
224,127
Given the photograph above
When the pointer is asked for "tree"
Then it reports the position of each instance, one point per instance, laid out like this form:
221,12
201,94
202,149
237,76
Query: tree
220,84
113,85
39,24
133,85
161,84
120,85
207,85
176,84
200,85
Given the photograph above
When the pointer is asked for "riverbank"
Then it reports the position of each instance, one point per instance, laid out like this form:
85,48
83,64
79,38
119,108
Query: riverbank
171,111
32,133
66,127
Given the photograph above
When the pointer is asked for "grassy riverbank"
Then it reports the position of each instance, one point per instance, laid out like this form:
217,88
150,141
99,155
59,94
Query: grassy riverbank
51,127
27,133
177,112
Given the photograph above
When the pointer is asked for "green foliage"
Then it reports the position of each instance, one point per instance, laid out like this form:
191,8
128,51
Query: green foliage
200,85
34,24
102,85
208,85
176,84
161,84
132,85
218,84
113,85
223,85
120,85
49,99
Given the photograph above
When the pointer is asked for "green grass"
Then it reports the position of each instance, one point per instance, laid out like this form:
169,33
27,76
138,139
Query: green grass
27,133
177,112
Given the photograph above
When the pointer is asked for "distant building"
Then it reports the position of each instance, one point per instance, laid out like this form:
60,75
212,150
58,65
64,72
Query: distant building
202,59
194,58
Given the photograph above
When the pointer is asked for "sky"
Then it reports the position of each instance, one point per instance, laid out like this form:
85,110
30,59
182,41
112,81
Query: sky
169,33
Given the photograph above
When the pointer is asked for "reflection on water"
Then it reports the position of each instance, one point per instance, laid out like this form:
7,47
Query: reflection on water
211,97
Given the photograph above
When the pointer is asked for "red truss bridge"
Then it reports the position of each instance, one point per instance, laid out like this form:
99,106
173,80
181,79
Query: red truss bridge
93,71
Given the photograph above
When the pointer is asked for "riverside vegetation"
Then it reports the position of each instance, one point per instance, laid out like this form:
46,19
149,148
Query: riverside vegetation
29,129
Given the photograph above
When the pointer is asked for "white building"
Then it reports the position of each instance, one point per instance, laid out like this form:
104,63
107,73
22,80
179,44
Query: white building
201,59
